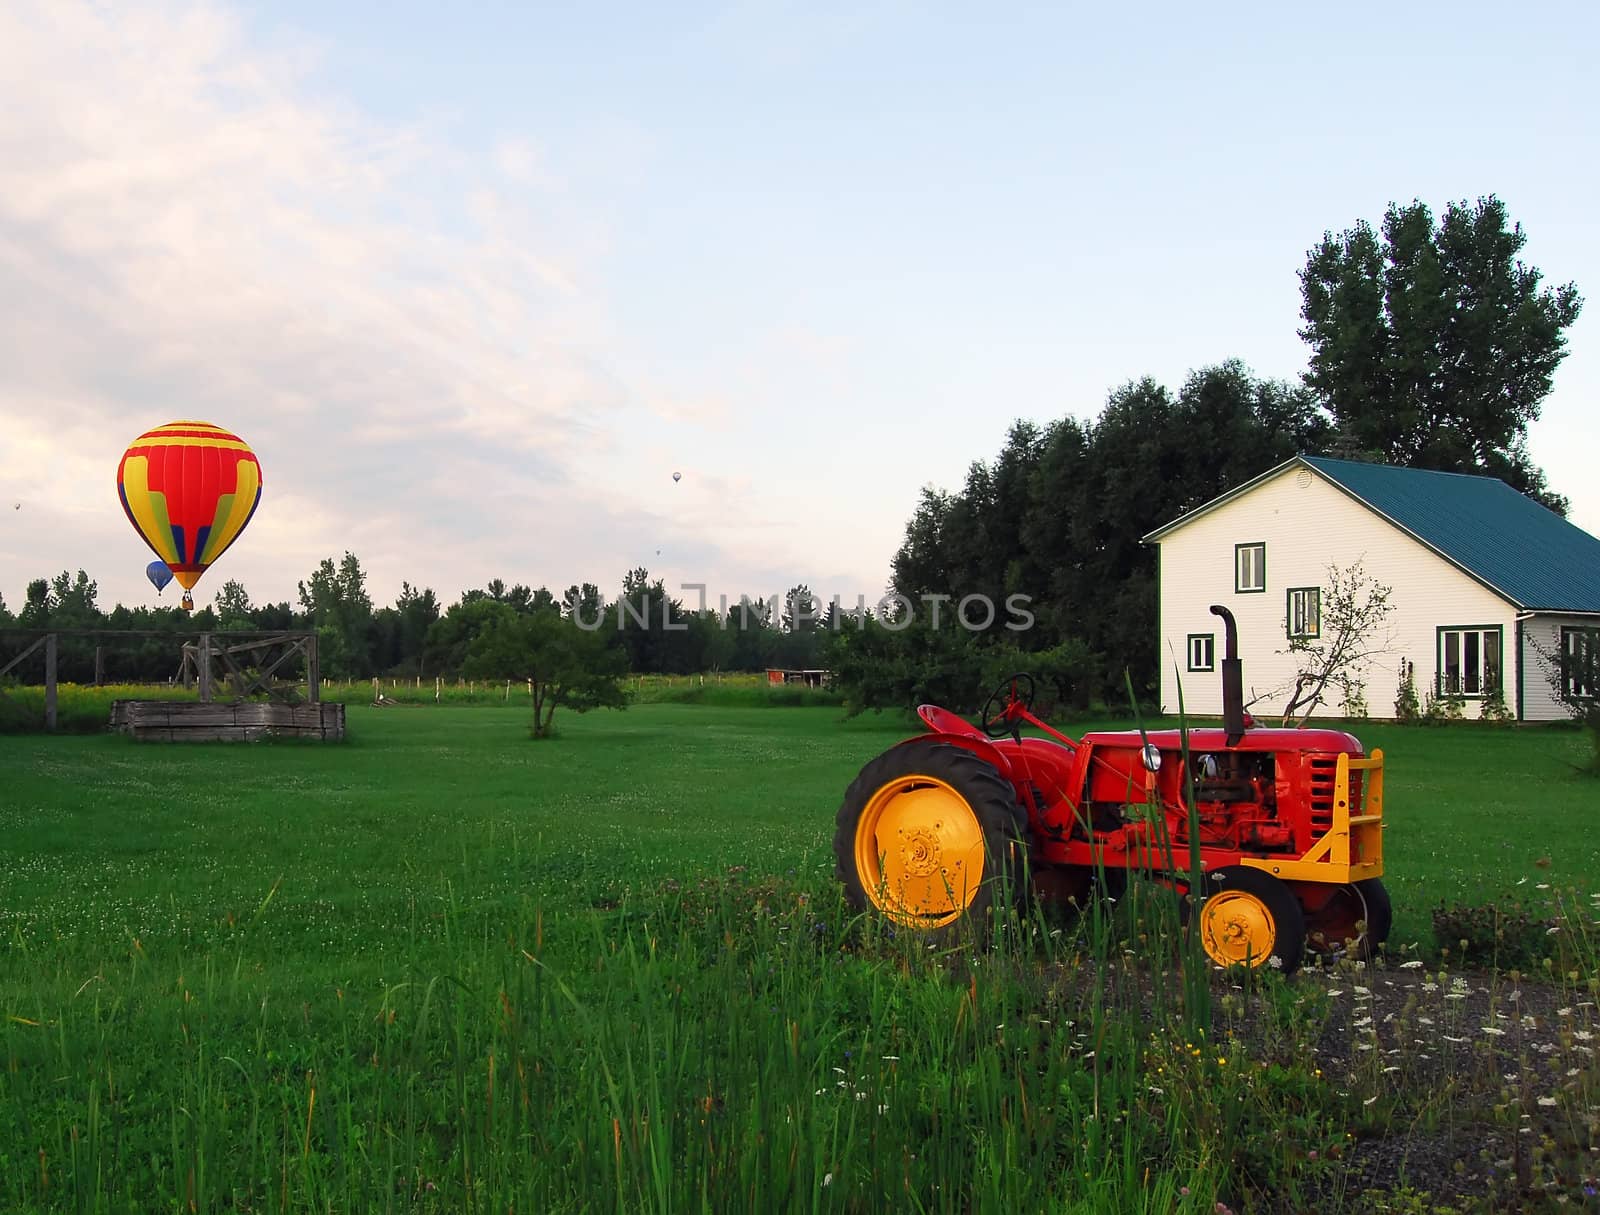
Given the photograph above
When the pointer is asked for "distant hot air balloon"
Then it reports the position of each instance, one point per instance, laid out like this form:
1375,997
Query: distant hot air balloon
189,489
677,476
159,575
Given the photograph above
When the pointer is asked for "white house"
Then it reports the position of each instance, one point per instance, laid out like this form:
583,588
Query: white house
1480,575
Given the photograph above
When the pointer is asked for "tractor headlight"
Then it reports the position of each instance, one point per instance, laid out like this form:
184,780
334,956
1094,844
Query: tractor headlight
1152,757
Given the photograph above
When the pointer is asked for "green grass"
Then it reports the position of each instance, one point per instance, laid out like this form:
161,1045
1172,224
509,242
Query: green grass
85,709
443,968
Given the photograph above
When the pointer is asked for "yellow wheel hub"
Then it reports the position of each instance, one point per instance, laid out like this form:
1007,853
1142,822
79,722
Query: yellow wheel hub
919,851
1236,927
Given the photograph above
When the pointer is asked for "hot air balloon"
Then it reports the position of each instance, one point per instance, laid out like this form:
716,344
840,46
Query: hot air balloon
189,489
159,575
677,476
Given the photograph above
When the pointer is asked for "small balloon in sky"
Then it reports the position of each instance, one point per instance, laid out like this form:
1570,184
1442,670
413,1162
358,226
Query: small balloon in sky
677,476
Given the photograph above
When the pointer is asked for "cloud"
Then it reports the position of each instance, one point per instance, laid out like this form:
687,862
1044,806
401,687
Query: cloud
416,345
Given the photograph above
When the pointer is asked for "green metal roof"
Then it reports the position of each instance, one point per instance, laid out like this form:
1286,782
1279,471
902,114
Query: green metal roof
1527,552
1504,539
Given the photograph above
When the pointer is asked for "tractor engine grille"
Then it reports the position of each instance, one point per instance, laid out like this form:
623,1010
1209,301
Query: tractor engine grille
1324,770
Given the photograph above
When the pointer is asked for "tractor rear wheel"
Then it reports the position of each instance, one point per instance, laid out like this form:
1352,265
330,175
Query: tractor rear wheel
1350,921
1250,918
934,838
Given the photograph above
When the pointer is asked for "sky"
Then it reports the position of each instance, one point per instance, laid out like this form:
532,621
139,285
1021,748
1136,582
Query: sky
475,280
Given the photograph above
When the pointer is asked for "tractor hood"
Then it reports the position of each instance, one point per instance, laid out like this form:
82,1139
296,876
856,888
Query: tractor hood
1216,739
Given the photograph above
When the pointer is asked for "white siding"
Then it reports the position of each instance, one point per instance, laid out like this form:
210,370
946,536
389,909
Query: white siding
1308,523
1538,703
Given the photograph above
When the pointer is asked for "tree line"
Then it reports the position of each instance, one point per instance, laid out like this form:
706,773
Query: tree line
652,631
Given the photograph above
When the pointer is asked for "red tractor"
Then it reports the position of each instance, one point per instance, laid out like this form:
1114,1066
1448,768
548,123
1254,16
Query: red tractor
965,823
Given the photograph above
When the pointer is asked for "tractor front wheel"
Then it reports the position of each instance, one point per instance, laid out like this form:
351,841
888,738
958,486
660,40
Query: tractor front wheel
931,835
1250,918
1351,920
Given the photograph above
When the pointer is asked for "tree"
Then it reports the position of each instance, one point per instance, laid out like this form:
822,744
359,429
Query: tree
341,612
1434,345
233,607
567,666
1334,636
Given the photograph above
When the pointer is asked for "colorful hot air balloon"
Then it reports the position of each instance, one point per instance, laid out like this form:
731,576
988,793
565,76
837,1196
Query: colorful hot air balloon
189,489
159,575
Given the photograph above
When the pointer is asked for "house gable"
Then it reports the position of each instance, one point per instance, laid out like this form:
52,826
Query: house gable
1307,521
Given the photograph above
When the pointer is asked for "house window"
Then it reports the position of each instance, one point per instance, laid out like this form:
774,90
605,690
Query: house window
1580,662
1469,661
1202,652
1249,568
1305,611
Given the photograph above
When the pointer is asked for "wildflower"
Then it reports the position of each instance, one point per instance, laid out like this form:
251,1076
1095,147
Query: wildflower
1511,1078
1414,964
1494,1030
1363,991
827,1179
1547,1101
1391,1069
1369,1100
1563,1012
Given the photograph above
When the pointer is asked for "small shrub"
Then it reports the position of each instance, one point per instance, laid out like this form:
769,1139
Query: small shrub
1406,706
1494,707
1506,932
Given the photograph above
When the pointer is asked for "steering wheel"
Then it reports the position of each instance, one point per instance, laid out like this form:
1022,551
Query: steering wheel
997,725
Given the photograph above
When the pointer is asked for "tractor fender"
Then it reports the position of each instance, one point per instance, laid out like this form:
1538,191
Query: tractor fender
976,743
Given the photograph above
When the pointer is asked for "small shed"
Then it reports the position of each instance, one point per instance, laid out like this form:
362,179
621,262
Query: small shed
812,679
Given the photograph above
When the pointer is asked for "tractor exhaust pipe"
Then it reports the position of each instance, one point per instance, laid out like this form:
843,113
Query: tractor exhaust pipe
1232,678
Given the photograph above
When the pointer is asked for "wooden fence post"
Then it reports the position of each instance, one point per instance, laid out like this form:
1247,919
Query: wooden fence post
99,666
205,668
50,682
313,671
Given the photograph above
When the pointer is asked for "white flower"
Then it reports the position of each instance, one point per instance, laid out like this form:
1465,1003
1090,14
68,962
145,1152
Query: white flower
1391,1068
1511,1078
1495,1030
1563,1012
1414,964
1362,991
1582,1035
827,1179
1424,1020
1369,1101
1336,992
1547,1101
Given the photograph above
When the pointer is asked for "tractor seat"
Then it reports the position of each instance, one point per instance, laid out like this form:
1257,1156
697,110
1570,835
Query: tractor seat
946,722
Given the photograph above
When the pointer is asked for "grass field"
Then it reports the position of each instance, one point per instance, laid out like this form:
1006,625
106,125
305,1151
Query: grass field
443,968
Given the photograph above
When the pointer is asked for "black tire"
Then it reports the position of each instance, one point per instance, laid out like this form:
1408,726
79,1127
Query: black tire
900,859
1248,917
1355,925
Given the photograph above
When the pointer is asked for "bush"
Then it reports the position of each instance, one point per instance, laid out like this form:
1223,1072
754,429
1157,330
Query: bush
1406,706
1505,933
